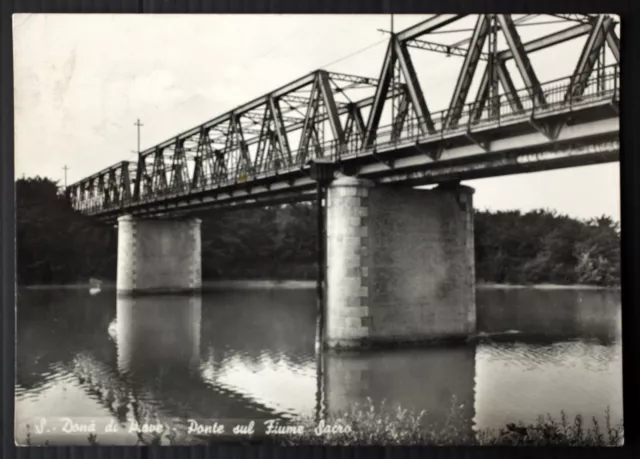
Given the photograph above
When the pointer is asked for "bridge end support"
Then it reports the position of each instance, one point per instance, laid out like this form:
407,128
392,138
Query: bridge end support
158,256
400,264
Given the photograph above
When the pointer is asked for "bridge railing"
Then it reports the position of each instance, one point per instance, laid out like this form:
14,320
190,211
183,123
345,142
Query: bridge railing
560,96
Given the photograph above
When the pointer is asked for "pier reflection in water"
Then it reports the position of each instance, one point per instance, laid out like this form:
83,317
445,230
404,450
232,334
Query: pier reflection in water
158,336
436,381
250,355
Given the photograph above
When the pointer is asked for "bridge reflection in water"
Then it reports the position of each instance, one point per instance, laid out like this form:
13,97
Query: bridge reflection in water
159,345
250,355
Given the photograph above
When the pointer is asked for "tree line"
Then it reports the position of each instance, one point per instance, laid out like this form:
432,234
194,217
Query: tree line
57,245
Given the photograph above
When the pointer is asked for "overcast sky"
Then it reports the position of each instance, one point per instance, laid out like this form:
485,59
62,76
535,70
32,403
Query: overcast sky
81,81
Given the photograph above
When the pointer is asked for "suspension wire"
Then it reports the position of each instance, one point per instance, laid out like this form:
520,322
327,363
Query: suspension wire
384,40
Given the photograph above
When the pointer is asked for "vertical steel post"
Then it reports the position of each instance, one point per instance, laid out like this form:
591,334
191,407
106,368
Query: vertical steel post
393,78
493,71
603,68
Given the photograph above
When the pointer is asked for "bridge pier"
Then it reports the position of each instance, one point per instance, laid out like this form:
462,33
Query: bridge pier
400,264
158,256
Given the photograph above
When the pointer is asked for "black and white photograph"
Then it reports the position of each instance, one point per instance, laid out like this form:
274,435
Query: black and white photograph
305,229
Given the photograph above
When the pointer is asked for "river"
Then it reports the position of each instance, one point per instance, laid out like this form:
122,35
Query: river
245,354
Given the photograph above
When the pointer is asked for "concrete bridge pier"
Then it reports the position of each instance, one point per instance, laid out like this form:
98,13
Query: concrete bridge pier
158,256
400,264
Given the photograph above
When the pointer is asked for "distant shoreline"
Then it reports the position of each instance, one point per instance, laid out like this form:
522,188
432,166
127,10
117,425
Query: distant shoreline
489,285
307,284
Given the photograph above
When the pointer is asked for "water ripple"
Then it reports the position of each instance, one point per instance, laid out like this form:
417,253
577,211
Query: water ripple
272,371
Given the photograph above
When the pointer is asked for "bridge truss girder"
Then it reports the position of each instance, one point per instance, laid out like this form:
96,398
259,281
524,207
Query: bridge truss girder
325,115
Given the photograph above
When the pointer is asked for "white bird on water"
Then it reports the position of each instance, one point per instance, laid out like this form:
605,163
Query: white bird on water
113,329
94,286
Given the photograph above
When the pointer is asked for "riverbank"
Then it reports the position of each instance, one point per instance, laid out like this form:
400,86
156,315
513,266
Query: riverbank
206,285
482,285
238,284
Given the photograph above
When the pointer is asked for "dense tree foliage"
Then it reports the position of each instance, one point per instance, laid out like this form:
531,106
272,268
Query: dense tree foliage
54,244
544,247
57,245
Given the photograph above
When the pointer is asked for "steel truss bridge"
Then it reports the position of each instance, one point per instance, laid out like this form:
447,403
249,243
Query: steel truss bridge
381,128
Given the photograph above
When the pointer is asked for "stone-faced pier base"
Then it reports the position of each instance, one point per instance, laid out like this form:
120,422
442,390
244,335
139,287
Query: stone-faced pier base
158,256
400,264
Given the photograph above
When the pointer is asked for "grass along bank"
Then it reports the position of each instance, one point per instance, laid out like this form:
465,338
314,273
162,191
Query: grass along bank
371,425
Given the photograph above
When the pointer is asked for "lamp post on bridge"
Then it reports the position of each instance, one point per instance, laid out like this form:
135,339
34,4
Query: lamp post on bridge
138,124
65,190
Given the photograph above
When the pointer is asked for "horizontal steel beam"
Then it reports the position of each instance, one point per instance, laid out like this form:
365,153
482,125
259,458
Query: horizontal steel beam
440,48
430,25
496,27
449,50
296,99
550,40
574,17
258,118
352,78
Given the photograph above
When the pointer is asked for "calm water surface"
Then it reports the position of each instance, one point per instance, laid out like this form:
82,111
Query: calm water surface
249,354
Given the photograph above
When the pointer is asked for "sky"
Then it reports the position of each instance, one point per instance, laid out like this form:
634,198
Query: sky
82,81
